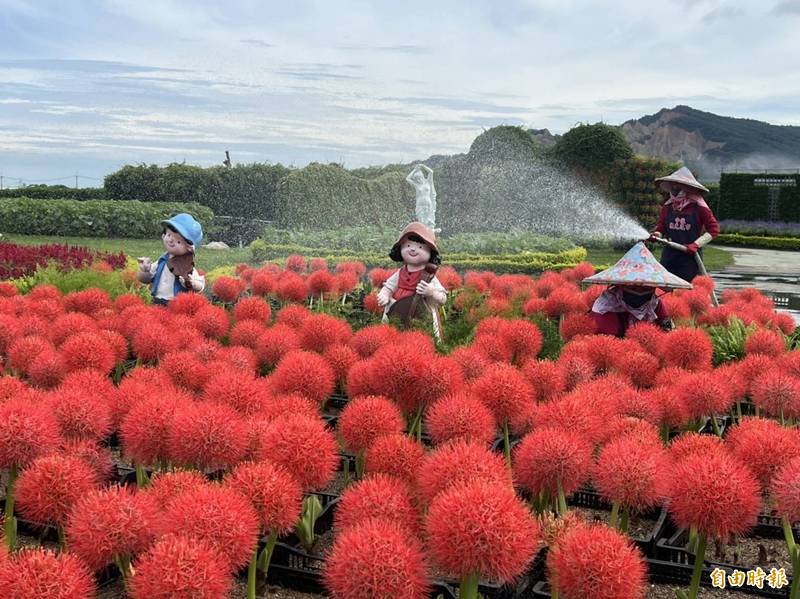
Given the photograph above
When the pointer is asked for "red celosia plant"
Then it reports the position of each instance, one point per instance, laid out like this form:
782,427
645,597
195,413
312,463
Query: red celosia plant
27,431
110,526
504,390
397,455
376,558
218,515
552,464
277,499
628,474
456,462
49,488
592,560
764,445
379,496
460,416
715,496
207,435
180,566
481,529
363,420
306,373
34,573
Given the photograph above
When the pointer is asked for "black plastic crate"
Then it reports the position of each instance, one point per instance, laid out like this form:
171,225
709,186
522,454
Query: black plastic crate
673,563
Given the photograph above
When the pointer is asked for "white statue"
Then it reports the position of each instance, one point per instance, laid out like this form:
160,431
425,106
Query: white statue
426,195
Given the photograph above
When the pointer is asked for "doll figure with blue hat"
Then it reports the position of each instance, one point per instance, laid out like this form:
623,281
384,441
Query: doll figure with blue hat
174,272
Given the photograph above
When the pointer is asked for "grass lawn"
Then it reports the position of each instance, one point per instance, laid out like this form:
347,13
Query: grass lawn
715,259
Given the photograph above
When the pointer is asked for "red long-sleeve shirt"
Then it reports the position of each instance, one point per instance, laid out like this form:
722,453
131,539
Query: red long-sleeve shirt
704,216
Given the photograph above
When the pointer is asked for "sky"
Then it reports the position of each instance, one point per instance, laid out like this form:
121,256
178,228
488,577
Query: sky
88,86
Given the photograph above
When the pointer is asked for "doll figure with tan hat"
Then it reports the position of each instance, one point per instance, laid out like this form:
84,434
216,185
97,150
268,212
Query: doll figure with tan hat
414,291
686,219
174,272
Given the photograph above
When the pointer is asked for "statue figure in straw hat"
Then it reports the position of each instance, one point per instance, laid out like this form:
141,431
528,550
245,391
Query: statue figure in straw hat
685,219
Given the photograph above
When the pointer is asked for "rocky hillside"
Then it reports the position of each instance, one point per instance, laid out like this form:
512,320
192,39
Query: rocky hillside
708,143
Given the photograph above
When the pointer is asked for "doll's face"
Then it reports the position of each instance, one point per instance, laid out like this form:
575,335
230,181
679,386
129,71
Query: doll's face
174,243
415,252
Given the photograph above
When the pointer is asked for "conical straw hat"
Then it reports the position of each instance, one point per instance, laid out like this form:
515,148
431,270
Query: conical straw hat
639,267
682,175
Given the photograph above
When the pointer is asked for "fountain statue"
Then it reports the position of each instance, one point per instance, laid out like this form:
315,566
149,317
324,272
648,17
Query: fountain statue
426,195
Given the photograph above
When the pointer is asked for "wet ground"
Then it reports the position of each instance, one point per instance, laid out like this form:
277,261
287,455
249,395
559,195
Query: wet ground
774,272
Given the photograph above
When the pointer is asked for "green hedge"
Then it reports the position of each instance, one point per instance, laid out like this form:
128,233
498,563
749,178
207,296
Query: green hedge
522,262
327,196
743,199
756,241
92,218
631,184
55,192
244,190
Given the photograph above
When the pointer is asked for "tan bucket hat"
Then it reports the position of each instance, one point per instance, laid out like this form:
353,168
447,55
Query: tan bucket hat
427,235
684,176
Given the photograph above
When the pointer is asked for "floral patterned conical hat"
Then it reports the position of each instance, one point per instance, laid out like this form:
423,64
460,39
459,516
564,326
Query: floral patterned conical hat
639,267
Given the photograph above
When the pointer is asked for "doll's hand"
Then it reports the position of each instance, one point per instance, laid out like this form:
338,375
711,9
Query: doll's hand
145,264
425,289
384,296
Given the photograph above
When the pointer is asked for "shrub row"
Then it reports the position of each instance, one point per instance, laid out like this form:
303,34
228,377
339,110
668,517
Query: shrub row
55,192
92,218
522,262
757,241
748,196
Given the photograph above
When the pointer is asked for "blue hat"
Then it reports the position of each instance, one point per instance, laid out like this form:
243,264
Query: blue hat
189,228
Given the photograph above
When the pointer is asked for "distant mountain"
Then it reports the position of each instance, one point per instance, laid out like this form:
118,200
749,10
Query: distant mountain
708,143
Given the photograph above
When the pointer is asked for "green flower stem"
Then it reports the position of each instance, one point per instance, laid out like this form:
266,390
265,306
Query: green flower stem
416,423
346,471
266,554
623,525
469,587
305,526
562,500
361,460
788,535
142,480
553,592
251,574
506,444
692,546
738,412
793,593
699,561
62,538
124,565
715,426
10,522
612,521
665,433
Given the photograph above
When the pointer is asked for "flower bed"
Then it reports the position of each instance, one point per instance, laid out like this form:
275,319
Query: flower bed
17,261
285,411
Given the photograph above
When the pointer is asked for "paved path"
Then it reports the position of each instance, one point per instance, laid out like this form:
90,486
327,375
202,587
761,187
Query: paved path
757,262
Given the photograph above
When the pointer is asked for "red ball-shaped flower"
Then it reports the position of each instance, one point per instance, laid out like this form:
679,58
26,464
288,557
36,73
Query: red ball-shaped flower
629,471
378,496
481,527
504,390
397,455
776,393
108,523
366,418
81,413
273,492
599,562
87,350
713,492
376,559
207,436
180,567
219,516
227,289
785,490
40,573
688,348
764,445
460,416
304,447
306,373
252,308
766,343
320,331
456,462
274,343
548,458
145,430
27,431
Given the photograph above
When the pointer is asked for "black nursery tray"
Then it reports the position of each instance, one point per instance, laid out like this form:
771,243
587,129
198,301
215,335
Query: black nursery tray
673,563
